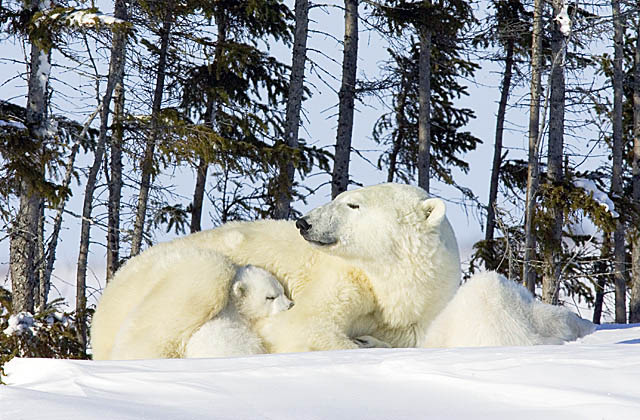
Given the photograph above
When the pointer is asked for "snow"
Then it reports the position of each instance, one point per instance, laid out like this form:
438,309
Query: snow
24,322
85,18
564,21
13,124
43,70
60,317
80,18
20,323
596,378
601,197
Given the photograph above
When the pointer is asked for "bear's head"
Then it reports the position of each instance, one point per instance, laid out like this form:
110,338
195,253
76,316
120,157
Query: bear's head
375,223
257,293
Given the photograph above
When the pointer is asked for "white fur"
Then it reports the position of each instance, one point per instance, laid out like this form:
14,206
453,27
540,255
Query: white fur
391,269
490,310
157,300
255,295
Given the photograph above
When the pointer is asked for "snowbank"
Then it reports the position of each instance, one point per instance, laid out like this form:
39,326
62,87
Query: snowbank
596,378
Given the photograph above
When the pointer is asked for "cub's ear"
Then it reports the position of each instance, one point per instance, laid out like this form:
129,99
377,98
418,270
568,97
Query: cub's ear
239,289
434,210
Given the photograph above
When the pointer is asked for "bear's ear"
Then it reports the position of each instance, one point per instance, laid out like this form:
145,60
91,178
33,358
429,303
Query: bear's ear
434,210
239,289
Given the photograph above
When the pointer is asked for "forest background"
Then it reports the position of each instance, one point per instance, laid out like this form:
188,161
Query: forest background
201,127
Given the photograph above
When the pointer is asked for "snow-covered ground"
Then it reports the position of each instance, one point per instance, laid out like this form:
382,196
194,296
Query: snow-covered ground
596,378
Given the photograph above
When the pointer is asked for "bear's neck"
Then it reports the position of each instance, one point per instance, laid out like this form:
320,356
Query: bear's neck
426,283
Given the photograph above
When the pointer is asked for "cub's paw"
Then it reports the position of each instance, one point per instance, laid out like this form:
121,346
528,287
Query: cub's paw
368,342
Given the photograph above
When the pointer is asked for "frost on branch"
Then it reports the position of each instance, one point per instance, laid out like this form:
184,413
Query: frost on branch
20,323
27,323
599,196
563,20
74,18
9,124
88,19
49,333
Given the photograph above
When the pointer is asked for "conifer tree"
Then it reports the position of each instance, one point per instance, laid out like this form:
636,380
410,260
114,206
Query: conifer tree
116,145
424,101
634,301
340,175
247,139
510,32
616,178
166,16
400,129
24,232
294,103
210,116
116,71
552,246
533,170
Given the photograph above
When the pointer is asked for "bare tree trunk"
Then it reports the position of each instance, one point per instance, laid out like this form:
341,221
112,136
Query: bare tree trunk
602,273
634,301
497,153
597,306
424,113
117,139
22,250
294,103
528,273
40,262
210,121
24,229
401,123
147,159
198,195
340,175
116,68
57,222
115,185
616,178
201,173
555,170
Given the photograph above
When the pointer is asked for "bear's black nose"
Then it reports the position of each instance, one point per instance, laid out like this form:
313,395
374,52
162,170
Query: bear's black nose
303,225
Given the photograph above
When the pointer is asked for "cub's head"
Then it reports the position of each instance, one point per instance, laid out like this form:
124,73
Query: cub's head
374,223
258,294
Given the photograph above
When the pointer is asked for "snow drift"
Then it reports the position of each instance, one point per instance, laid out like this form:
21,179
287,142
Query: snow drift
594,378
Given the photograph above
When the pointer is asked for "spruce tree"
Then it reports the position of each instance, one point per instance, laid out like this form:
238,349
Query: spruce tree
402,130
509,29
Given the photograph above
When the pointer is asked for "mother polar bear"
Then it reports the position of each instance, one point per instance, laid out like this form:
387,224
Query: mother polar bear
380,261
374,266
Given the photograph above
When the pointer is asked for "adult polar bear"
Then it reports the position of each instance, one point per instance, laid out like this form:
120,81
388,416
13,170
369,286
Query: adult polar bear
381,261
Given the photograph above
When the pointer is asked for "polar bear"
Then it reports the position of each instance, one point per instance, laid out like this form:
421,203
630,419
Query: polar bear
490,310
157,300
255,294
379,262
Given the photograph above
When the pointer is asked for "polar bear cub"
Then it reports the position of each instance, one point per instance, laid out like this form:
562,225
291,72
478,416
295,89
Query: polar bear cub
255,295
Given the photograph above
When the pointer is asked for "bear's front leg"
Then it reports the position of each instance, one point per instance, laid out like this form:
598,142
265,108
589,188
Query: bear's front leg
298,330
322,318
